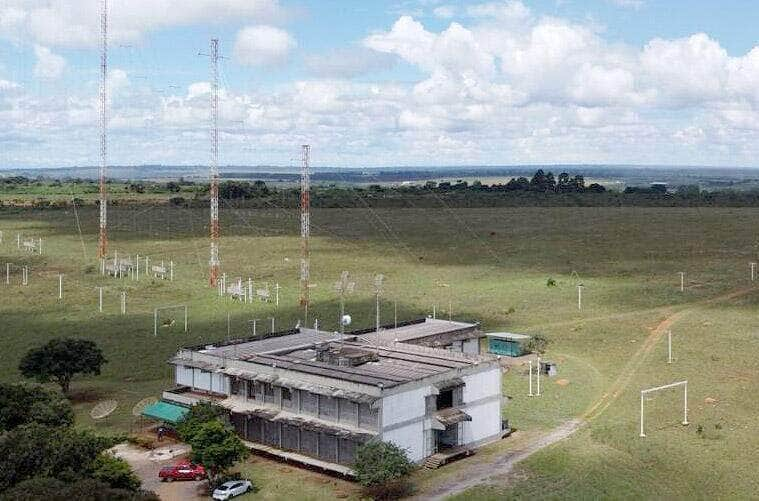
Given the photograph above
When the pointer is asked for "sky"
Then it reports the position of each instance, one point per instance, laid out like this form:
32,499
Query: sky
384,83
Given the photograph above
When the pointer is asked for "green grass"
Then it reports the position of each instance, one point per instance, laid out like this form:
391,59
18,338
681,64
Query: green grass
497,262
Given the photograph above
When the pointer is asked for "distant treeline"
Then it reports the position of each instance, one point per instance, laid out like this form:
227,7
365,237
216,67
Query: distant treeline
542,189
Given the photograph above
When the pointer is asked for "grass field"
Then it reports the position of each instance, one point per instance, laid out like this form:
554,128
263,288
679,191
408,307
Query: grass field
493,266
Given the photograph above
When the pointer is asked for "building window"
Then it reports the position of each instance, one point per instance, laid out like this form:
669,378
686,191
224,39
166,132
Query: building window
235,386
445,399
268,390
287,394
251,390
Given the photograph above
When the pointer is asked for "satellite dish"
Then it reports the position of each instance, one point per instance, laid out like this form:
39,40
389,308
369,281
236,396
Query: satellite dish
142,404
103,409
345,320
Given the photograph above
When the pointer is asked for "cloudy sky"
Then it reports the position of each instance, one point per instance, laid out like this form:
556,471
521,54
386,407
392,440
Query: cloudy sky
373,83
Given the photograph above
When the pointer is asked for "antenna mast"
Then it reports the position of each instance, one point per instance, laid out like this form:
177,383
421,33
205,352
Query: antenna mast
214,261
103,235
305,223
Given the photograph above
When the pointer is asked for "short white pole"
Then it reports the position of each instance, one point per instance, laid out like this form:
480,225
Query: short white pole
102,266
642,433
7,273
100,299
147,266
530,394
185,318
537,376
123,303
250,290
579,297
1,236
276,294
60,286
18,240
25,277
229,327
753,271
255,320
272,324
40,246
669,347
434,311
682,281
685,405
171,272
155,322
137,271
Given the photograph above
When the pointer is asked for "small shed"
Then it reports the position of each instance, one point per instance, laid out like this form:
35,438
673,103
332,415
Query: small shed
507,343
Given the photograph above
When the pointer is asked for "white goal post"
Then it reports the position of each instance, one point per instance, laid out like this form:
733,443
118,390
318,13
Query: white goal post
643,394
165,308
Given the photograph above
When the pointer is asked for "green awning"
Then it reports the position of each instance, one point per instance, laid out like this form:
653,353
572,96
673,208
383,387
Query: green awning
164,411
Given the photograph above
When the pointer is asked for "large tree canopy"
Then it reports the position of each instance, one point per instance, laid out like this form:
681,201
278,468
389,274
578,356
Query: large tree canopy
23,403
61,359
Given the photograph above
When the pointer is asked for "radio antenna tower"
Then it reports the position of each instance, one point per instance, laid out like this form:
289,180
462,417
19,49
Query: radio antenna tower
214,261
305,224
103,235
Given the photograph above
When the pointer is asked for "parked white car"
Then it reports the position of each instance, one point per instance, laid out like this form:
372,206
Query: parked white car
231,489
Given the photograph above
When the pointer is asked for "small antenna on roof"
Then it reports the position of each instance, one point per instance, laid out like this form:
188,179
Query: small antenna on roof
377,291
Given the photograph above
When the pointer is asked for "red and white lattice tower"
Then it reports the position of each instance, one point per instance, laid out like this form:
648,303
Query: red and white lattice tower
214,262
305,224
103,235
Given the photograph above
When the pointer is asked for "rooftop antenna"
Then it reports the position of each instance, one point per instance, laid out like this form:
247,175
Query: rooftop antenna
377,292
343,286
214,261
305,225
103,235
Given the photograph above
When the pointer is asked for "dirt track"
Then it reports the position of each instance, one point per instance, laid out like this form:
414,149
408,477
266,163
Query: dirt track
473,476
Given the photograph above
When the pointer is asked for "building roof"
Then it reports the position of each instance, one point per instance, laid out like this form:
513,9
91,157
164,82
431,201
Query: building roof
420,329
394,364
164,411
508,335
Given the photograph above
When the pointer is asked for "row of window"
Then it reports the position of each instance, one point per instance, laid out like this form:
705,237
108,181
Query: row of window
301,401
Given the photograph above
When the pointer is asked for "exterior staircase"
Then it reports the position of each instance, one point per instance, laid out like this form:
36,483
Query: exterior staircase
446,456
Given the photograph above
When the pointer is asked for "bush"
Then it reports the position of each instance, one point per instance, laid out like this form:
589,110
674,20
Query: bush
21,404
538,344
381,468
115,472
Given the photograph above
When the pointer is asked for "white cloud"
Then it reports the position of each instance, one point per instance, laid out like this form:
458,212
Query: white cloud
48,65
348,62
262,46
628,4
509,10
76,23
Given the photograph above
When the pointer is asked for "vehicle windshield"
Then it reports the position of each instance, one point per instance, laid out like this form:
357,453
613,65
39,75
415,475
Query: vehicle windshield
223,488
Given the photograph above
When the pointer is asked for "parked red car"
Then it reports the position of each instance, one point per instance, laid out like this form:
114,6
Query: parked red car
182,471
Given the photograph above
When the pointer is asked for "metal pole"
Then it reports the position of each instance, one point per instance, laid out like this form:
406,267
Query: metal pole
276,288
123,303
434,311
60,286
685,405
7,273
530,362
272,324
579,297
682,281
137,273
171,272
250,290
753,271
642,433
669,347
537,376
185,318
395,314
155,322
100,299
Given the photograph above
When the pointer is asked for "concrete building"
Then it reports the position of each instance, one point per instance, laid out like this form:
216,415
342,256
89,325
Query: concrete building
314,396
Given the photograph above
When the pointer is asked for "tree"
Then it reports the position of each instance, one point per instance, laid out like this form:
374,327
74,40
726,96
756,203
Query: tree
61,359
381,468
34,450
52,489
115,472
21,404
217,447
199,414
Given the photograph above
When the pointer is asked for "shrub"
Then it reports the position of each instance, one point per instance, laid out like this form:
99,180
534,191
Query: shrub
538,344
381,468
